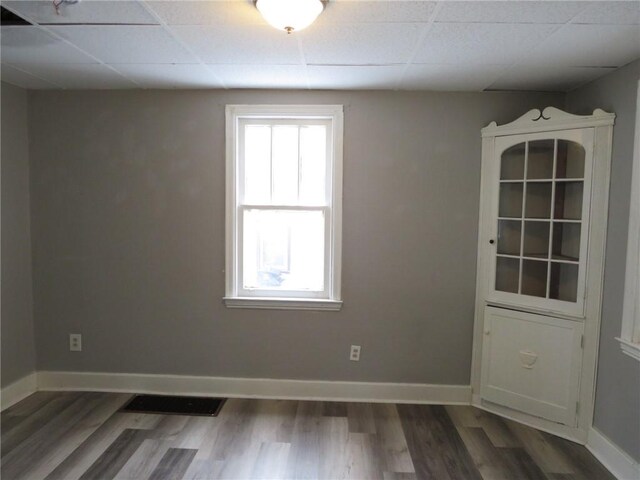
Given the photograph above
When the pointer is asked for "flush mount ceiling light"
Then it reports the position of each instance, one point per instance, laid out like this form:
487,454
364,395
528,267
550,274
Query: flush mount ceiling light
290,15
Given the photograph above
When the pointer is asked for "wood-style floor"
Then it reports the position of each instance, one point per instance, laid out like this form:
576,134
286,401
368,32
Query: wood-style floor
83,436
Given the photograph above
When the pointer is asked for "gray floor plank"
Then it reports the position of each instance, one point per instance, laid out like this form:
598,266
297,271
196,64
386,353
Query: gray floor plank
174,464
116,455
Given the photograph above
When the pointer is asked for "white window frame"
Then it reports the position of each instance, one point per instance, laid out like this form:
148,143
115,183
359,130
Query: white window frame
630,335
235,296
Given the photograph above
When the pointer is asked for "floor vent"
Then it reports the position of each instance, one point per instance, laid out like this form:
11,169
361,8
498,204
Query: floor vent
172,405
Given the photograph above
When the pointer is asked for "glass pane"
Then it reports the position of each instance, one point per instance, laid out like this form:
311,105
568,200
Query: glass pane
534,278
510,200
313,166
512,164
564,282
509,237
540,160
536,239
566,241
257,164
283,250
538,200
568,205
570,162
285,165
507,274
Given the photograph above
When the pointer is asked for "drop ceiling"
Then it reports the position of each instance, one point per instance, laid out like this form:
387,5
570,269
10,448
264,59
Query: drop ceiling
396,45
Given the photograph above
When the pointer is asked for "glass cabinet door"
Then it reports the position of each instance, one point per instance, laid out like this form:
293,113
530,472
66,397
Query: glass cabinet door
540,224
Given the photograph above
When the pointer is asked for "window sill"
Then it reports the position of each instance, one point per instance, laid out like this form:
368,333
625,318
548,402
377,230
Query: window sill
631,349
283,303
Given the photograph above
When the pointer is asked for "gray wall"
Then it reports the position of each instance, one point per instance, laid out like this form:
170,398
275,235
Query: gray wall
17,344
617,412
128,228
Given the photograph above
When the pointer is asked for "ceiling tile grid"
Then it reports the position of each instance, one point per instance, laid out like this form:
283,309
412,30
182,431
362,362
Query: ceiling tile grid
531,77
79,75
15,76
169,75
227,44
126,43
359,44
481,43
397,44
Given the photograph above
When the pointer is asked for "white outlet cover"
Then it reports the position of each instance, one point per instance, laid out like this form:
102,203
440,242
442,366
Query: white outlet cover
75,342
355,353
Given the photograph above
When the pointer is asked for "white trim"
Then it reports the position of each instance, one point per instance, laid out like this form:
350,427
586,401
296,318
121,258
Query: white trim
256,388
621,465
630,335
549,119
18,390
235,297
283,303
629,348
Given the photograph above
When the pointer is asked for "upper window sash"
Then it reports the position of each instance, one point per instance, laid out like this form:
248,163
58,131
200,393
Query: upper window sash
275,122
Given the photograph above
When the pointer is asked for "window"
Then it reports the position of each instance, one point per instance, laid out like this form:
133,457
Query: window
284,206
630,336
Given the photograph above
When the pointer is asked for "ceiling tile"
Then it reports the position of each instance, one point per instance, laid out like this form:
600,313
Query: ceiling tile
33,45
362,44
127,44
22,79
509,12
611,13
447,77
589,46
79,76
206,12
554,79
261,76
169,75
484,43
379,12
88,11
228,44
349,77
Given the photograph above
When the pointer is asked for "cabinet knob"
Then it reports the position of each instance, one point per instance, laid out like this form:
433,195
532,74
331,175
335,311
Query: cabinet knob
492,241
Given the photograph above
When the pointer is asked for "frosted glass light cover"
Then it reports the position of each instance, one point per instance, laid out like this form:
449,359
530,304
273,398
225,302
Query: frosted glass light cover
290,15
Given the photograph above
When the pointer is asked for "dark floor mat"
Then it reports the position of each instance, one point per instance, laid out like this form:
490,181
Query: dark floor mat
172,405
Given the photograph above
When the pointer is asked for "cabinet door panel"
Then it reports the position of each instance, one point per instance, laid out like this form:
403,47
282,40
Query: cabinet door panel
532,363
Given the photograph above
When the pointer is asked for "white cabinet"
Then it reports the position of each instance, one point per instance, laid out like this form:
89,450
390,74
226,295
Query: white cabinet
543,212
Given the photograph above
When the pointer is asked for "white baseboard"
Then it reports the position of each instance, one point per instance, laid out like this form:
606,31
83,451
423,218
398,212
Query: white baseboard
612,457
257,387
18,390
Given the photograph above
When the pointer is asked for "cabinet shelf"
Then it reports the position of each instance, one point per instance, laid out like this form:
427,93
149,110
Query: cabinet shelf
555,220
541,257
565,259
541,180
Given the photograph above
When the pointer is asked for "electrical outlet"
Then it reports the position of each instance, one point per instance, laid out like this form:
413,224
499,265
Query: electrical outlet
354,354
75,342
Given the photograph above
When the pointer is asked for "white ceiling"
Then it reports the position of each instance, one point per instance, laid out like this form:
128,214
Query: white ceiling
407,45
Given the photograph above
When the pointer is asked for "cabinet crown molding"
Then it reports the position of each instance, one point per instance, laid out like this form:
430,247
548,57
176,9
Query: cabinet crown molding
549,119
